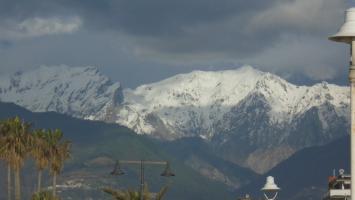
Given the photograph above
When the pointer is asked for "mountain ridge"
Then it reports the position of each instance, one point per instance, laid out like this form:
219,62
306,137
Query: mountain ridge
296,179
198,92
257,111
77,91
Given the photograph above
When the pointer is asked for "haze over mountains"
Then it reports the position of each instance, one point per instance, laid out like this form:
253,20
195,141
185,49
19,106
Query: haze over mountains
252,118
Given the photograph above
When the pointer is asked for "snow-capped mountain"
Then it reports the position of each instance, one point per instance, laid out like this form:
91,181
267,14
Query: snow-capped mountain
78,91
194,104
253,118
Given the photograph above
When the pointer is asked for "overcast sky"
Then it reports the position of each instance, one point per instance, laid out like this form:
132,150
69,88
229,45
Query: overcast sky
141,41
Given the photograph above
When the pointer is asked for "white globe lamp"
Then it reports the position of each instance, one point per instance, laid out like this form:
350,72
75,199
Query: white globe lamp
270,189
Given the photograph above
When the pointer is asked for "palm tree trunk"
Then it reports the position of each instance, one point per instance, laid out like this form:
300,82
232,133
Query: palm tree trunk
39,180
8,182
54,184
17,184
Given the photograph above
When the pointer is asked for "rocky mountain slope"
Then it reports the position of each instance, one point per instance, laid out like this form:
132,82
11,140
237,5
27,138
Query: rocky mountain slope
202,103
252,118
78,91
96,145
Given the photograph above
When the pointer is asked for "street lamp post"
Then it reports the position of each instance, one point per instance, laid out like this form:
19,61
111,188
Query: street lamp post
346,35
166,173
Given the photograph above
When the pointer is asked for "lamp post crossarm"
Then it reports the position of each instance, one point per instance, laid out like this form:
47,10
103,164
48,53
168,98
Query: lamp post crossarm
149,162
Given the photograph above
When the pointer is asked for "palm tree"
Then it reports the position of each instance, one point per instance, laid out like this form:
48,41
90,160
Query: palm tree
5,152
59,152
46,147
40,153
15,142
18,142
161,193
43,195
123,194
135,195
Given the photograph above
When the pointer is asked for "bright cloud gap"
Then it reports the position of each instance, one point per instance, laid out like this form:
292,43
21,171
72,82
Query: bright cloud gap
36,27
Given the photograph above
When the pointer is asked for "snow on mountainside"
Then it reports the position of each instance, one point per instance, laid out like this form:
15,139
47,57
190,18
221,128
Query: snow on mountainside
78,91
191,104
252,118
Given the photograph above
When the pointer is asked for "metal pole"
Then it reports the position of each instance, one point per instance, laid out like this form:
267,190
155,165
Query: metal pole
352,113
117,170
142,179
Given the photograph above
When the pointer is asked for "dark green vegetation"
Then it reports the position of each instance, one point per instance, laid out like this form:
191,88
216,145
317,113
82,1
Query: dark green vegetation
44,195
135,195
200,173
19,142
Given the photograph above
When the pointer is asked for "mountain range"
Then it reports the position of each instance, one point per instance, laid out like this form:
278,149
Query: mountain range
252,118
200,173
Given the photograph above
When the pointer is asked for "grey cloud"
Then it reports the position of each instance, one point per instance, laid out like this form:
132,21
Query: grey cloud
318,59
183,32
161,17
134,17
314,16
162,26
36,27
213,28
191,26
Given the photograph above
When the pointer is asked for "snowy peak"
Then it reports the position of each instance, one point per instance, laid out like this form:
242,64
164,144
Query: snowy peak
77,91
229,87
191,104
201,99
243,113
200,87
254,118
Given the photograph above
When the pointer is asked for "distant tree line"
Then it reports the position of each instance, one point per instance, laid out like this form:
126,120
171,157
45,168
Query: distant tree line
19,142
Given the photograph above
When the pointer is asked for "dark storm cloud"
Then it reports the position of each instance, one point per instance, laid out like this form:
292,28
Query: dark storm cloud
188,25
22,9
136,17
170,17
160,22
234,28
189,32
